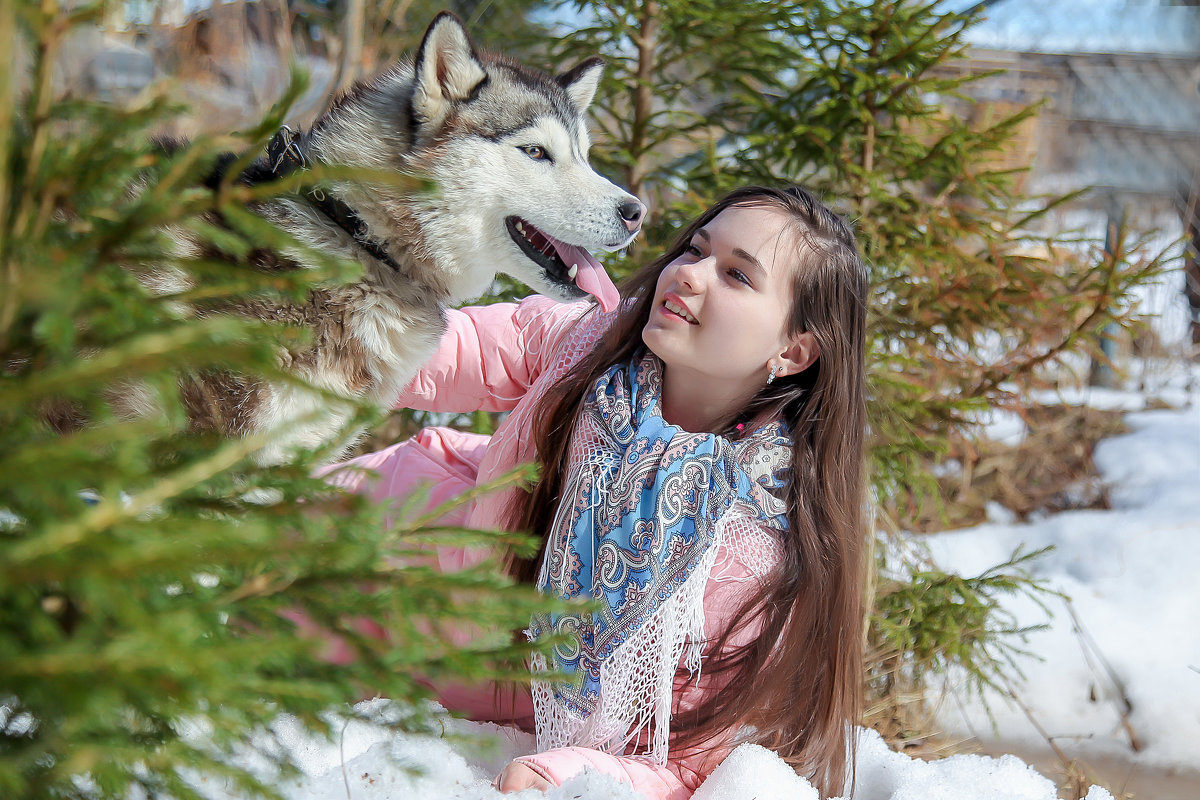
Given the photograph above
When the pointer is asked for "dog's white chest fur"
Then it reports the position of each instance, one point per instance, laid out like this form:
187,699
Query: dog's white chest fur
367,346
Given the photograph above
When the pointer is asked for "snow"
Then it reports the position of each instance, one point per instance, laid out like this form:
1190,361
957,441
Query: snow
751,771
1127,632
368,762
886,774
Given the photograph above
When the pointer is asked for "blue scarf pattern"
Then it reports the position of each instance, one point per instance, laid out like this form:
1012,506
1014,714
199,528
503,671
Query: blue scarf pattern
639,512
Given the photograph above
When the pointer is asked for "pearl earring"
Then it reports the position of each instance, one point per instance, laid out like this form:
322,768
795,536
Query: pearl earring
771,376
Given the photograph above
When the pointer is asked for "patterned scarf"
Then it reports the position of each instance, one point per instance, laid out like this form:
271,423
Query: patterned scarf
644,508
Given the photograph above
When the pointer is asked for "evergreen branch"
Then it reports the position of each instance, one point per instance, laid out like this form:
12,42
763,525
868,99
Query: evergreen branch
142,353
992,378
1054,204
453,535
262,132
522,474
8,44
52,27
111,511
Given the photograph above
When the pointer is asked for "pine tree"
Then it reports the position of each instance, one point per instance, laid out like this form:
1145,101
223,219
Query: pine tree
386,31
149,571
668,64
973,298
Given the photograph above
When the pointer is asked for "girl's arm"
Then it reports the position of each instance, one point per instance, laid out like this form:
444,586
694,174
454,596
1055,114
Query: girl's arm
560,765
489,356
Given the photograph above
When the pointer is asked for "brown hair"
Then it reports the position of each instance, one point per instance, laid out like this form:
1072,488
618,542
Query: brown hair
799,681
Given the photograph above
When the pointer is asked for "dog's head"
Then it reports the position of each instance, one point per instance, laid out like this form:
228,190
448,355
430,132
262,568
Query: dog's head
507,149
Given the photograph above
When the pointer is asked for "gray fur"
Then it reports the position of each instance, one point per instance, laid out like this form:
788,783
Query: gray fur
474,113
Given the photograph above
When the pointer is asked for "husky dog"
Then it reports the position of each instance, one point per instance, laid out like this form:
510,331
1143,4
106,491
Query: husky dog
505,149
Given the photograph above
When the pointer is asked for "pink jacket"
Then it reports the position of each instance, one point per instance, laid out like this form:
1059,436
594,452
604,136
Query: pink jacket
502,357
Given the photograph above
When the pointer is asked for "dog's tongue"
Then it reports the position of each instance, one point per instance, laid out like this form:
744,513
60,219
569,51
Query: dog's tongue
591,276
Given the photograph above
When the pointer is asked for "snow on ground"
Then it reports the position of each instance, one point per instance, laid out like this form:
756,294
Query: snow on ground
369,763
1130,573
1129,631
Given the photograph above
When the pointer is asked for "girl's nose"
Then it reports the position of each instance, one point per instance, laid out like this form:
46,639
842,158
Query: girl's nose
692,273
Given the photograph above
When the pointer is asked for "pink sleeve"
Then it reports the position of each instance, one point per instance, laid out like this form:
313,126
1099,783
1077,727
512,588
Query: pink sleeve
564,763
489,356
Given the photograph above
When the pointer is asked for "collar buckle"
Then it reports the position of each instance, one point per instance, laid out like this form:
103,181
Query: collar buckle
284,153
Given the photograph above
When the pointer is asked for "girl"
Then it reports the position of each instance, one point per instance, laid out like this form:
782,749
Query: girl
701,453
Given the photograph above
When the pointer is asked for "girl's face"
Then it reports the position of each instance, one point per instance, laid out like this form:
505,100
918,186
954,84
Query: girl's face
720,309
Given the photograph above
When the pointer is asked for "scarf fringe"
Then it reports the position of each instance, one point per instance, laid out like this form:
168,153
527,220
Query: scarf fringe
638,678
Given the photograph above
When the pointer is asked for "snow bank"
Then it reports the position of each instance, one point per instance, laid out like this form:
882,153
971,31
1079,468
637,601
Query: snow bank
370,763
1129,632
886,775
751,772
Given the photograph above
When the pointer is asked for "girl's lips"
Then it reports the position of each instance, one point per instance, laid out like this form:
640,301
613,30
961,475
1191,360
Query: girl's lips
669,314
674,306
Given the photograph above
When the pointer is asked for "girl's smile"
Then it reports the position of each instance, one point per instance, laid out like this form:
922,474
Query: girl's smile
720,316
674,308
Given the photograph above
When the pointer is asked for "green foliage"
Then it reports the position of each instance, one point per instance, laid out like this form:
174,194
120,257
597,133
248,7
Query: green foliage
975,295
926,621
971,295
393,28
152,575
667,62
846,97
149,572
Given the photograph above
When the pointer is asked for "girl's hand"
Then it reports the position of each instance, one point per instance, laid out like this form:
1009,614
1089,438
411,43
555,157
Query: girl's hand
516,776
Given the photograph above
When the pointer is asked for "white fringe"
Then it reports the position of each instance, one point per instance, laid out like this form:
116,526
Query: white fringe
637,680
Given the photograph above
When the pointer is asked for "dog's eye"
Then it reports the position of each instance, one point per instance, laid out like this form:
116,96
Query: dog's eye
534,151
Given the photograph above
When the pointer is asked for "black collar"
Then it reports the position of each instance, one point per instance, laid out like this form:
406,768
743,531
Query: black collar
285,155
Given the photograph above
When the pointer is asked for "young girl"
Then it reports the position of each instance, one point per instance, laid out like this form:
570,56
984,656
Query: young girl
701,453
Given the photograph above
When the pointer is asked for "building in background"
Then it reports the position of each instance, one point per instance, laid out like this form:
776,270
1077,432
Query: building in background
1119,81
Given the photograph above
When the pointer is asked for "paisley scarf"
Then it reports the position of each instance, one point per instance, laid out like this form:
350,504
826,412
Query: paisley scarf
643,511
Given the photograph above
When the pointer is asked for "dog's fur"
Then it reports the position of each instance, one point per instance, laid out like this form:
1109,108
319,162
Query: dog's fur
472,124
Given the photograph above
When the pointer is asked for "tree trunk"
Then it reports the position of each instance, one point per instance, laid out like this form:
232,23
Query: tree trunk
352,44
1189,212
643,98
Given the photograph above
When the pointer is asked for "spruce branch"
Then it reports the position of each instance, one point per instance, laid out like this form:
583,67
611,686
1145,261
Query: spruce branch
110,511
157,560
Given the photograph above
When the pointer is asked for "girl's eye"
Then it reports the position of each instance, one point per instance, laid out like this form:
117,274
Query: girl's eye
692,250
740,276
534,151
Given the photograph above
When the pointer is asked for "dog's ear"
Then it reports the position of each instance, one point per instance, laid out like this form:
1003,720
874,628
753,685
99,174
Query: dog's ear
447,69
582,80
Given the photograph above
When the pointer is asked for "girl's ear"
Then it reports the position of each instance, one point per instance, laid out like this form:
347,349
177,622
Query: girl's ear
803,351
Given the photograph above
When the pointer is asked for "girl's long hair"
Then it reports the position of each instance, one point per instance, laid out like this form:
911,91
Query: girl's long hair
799,682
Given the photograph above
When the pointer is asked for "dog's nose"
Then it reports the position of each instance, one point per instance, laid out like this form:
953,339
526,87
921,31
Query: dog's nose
632,212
